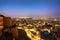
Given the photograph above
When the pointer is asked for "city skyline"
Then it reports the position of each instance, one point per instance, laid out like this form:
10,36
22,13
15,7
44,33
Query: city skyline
48,8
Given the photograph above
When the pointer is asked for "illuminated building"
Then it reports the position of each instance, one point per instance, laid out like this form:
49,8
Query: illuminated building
1,21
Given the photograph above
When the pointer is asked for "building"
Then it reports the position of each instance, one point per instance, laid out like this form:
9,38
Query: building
1,21
8,22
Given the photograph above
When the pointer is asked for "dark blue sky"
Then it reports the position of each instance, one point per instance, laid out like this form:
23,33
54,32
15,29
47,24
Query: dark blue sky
36,8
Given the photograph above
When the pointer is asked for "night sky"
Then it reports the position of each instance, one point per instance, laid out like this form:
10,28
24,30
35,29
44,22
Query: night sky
31,8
